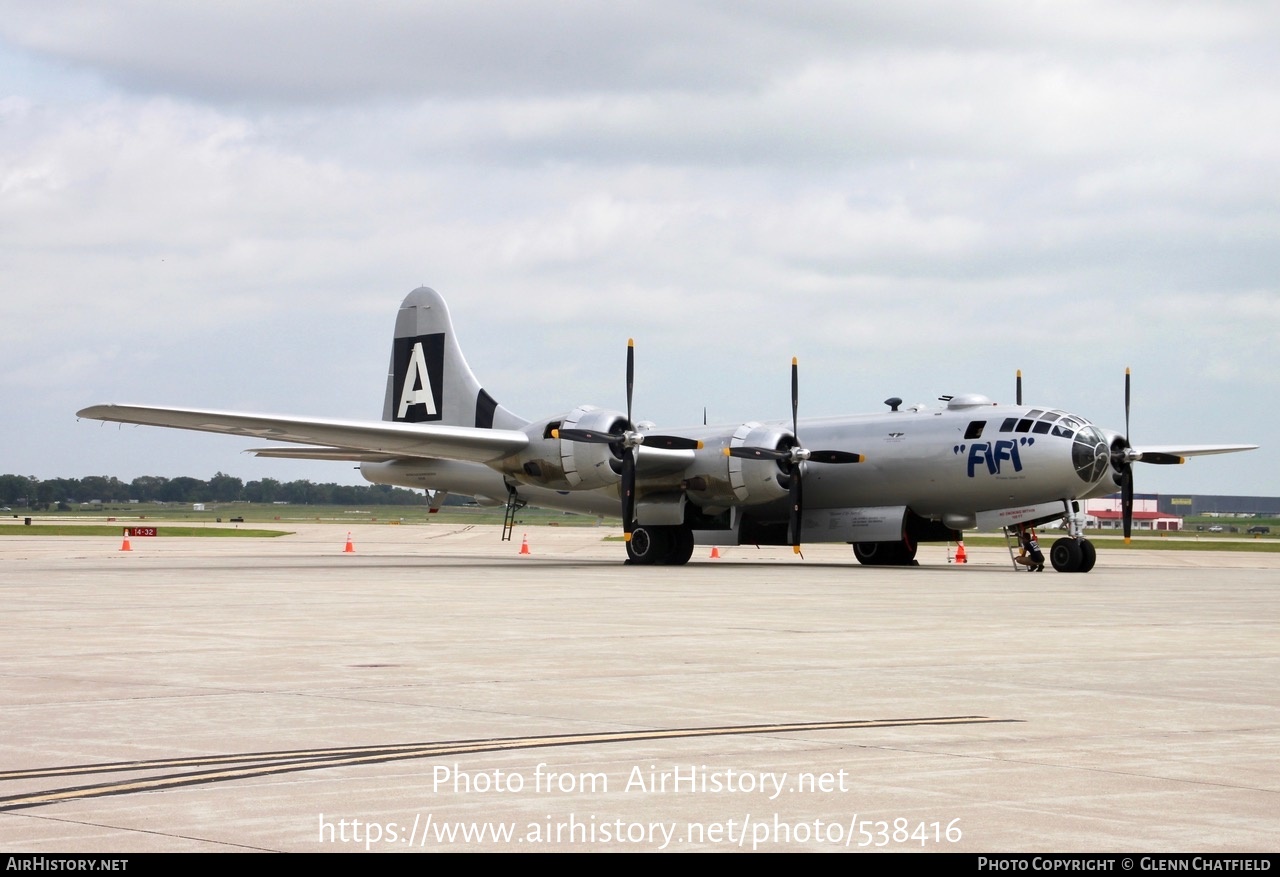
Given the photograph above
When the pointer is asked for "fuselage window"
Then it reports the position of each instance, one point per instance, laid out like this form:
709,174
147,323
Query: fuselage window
975,429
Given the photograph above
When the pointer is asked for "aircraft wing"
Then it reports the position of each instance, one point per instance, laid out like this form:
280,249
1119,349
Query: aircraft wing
368,437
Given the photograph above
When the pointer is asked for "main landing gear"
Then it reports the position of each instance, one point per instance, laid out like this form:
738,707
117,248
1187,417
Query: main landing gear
1071,554
901,553
666,546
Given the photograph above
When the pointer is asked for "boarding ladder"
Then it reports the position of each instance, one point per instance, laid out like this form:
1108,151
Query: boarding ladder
1011,540
514,504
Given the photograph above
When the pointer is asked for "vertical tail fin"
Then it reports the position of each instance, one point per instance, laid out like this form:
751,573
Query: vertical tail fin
428,380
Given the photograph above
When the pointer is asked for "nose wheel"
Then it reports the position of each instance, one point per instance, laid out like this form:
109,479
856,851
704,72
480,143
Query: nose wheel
1073,555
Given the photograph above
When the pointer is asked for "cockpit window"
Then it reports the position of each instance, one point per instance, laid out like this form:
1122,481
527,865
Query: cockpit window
1024,425
1008,424
975,429
1041,427
1034,413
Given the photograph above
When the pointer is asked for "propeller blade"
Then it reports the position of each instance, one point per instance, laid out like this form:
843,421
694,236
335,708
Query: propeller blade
587,436
797,510
669,442
1126,501
749,453
795,395
1126,406
631,378
1161,459
628,489
832,457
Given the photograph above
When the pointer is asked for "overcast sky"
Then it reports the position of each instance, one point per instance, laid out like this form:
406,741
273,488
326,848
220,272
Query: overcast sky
222,205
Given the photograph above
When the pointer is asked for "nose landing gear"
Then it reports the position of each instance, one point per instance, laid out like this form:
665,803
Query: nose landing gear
1073,554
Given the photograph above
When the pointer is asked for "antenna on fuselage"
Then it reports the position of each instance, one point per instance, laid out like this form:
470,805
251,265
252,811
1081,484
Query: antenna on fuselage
1019,393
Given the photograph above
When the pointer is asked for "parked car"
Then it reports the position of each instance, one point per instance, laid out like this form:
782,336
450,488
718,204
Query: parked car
1216,528
1259,530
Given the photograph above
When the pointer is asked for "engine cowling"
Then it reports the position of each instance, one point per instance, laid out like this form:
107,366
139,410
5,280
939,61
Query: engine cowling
717,480
560,464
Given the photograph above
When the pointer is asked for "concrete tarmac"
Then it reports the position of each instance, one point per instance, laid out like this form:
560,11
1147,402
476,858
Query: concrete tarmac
436,690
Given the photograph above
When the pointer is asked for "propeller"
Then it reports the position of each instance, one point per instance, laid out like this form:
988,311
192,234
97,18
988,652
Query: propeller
794,459
1124,456
625,443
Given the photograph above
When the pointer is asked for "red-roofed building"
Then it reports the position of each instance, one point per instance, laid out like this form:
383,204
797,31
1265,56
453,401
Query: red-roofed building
1105,513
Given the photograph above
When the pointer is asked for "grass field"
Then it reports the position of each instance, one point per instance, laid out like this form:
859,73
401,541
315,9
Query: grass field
272,520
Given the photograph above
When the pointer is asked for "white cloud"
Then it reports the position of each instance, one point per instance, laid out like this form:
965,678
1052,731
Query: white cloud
914,199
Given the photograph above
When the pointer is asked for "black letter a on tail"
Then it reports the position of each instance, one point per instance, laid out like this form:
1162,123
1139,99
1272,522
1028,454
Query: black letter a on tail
418,378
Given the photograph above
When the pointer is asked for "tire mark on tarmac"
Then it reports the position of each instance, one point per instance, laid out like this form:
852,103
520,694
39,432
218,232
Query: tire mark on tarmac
220,768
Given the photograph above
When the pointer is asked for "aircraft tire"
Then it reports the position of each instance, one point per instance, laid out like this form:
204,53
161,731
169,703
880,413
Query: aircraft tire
869,553
885,553
649,545
1066,555
1088,555
680,547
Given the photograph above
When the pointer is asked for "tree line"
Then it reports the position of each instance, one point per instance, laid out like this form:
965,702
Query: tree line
33,493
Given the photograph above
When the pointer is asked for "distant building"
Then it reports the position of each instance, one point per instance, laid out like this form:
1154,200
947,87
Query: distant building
1210,504
1106,513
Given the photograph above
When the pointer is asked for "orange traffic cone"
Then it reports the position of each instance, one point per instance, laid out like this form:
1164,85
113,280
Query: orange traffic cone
349,549
524,544
715,551
960,555
125,546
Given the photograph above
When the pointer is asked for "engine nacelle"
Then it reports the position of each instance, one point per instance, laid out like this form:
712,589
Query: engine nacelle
560,464
718,481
